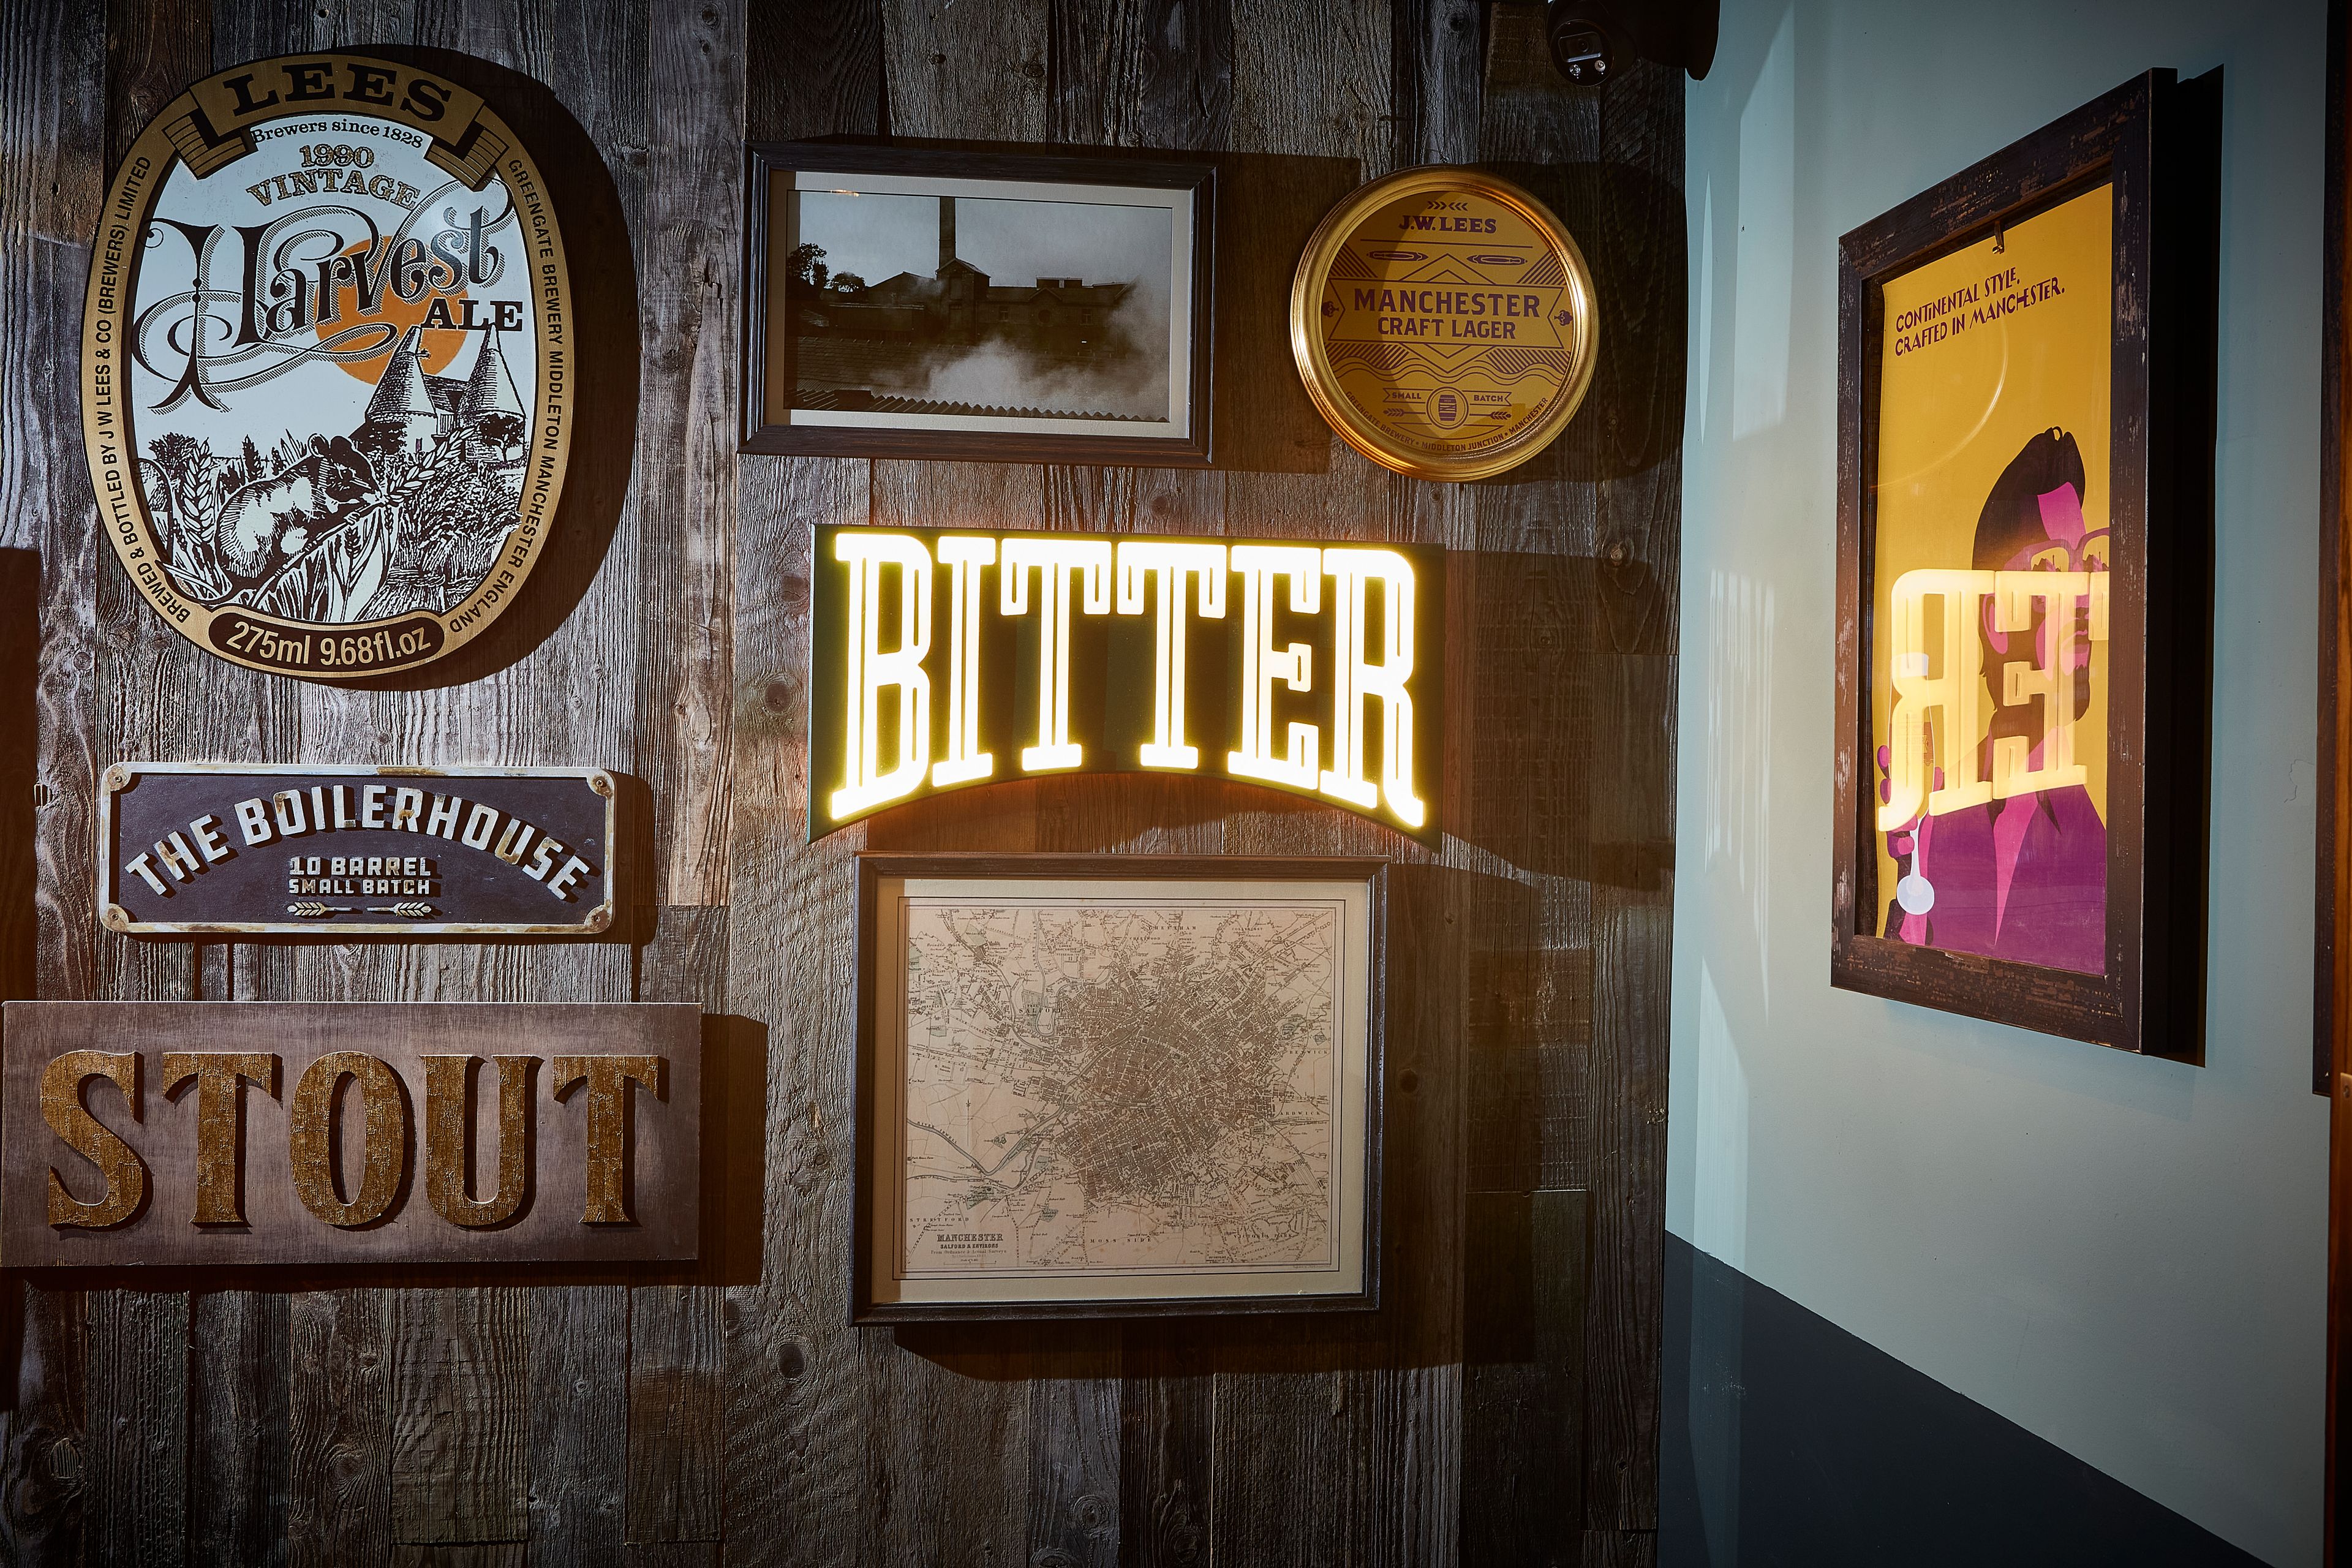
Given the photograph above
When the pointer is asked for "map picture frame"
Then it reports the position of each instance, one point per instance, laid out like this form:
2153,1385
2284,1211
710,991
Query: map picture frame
1069,1212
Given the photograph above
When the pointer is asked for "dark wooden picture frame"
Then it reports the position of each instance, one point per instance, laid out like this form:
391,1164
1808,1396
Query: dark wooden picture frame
2331,1066
763,431
2331,1010
874,869
2157,141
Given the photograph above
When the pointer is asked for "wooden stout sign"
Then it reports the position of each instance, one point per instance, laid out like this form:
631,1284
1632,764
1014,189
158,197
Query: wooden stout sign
299,1133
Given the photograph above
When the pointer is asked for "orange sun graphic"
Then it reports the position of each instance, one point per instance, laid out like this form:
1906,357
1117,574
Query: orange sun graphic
440,347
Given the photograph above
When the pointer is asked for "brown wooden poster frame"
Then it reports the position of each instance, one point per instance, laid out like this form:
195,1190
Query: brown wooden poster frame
2152,140
2331,1066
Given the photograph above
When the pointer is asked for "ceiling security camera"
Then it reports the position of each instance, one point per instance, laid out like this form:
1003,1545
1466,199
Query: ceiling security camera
1592,39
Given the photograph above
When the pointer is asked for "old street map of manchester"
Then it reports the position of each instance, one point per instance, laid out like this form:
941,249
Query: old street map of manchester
1104,1088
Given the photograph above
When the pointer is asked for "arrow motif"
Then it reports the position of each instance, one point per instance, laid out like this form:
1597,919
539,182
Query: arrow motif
312,909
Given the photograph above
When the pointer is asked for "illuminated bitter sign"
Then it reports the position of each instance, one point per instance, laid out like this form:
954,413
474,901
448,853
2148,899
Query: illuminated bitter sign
944,658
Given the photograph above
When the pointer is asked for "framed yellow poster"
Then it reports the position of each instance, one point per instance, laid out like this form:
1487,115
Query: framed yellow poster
2025,494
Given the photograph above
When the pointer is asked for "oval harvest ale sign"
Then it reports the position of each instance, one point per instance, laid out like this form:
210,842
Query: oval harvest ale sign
325,365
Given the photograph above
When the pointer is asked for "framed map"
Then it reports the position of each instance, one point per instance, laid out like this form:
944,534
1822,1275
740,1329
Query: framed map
1096,1085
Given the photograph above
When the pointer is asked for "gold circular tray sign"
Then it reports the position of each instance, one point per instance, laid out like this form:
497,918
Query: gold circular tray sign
1443,320
326,370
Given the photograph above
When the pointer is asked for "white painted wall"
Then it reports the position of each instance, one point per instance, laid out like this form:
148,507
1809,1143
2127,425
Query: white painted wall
2122,1256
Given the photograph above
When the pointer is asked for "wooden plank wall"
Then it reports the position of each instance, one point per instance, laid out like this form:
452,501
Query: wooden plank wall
1501,1409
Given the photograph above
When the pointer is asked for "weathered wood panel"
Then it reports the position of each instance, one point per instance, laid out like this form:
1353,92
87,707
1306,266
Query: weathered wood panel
1523,1348
1304,1403
53,118
497,1554
339,1435
1167,1455
238,1463
1575,1074
691,259
676,1415
1074,1451
962,1426
797,1385
662,1421
676,1420
456,1374
138,1425
579,1422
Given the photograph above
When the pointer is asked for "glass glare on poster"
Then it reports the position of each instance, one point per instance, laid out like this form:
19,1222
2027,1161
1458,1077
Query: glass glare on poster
1990,621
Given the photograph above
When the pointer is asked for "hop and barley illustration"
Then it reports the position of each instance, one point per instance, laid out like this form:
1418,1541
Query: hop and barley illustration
407,512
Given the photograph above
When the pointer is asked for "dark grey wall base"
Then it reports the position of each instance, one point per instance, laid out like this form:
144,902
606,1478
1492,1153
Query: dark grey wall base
1788,1440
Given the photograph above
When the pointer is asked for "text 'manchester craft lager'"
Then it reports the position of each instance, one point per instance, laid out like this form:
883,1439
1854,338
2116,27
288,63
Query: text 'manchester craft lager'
1443,320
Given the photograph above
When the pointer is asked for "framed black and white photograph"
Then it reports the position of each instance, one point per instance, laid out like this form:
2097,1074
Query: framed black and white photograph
924,303
1116,1085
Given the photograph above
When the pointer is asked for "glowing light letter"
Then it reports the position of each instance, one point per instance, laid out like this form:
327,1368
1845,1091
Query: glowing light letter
871,669
1055,560
1263,664
964,555
1139,560
1957,693
1354,681
2014,595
